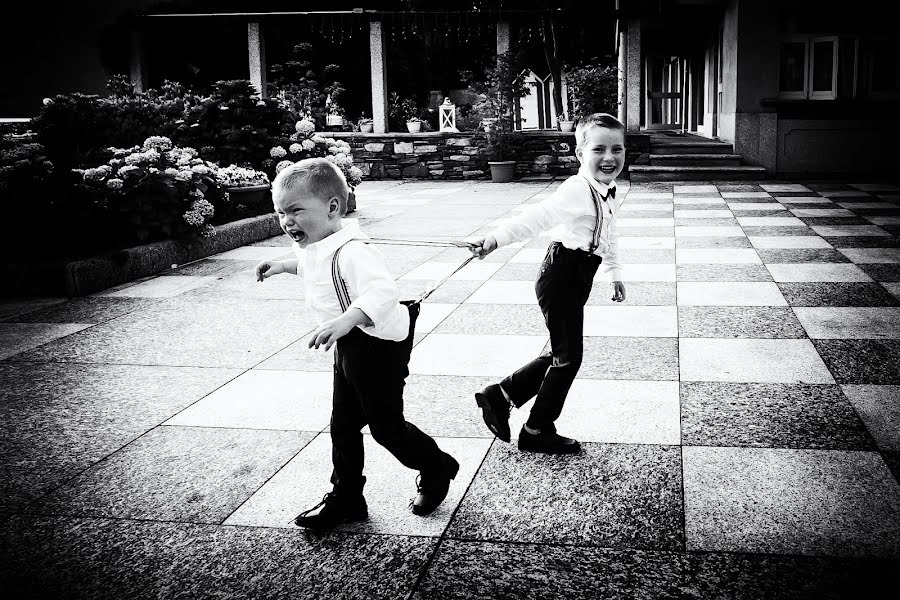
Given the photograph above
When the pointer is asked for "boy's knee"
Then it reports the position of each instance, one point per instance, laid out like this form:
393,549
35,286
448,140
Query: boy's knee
386,435
569,361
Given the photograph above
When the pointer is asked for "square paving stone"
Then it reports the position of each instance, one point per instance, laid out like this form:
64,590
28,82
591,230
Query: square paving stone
641,272
701,231
751,360
466,354
444,405
723,272
517,272
218,267
162,286
770,415
711,242
872,255
644,232
742,207
780,501
243,284
623,222
300,357
435,271
494,319
799,272
821,212
812,200
836,294
11,309
630,358
630,256
711,200
178,474
265,399
463,570
765,231
849,230
801,255
879,408
863,242
738,322
646,243
850,322
892,287
834,221
882,272
637,293
862,361
503,292
607,495
705,222
770,221
783,187
731,293
86,310
46,557
453,292
389,488
218,332
18,338
718,256
58,419
631,321
709,213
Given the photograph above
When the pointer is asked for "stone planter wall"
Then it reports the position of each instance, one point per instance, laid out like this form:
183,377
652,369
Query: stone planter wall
434,155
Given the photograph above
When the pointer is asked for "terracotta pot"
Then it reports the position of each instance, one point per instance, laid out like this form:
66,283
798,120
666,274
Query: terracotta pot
502,170
414,126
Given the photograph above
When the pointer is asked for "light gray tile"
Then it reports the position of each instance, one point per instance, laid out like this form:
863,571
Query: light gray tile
767,361
794,272
16,338
850,322
464,354
879,408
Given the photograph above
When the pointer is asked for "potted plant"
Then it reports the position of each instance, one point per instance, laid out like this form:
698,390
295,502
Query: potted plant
246,186
414,124
366,125
334,116
500,89
565,124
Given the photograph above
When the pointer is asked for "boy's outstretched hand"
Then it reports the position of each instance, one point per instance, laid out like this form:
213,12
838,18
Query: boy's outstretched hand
481,247
618,291
267,268
330,332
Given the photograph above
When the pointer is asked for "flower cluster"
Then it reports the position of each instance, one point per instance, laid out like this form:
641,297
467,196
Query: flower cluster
158,168
21,163
308,144
235,176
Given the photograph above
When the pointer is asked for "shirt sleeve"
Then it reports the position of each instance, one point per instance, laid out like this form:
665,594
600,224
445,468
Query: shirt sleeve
565,204
369,281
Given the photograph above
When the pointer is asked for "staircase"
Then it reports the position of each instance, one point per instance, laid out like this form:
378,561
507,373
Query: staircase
676,156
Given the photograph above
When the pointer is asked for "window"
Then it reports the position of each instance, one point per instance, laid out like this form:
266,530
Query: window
817,68
884,68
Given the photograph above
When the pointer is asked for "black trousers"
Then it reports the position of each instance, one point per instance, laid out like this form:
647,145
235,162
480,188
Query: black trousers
369,376
562,289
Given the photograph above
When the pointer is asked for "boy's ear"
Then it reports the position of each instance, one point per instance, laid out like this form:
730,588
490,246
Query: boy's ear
578,153
334,206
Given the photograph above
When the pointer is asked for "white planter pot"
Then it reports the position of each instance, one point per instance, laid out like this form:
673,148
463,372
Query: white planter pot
567,125
414,126
334,120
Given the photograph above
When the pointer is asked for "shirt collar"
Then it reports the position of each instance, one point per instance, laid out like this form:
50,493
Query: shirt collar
349,231
602,188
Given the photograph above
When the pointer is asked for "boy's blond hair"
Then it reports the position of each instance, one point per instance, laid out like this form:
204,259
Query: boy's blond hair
595,120
321,177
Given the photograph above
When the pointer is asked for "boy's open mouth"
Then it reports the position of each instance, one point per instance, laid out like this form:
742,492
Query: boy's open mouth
296,234
608,170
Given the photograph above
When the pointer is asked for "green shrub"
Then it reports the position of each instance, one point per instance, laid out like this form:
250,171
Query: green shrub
592,89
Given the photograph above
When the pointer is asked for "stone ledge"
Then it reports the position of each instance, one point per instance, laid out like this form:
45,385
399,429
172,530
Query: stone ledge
90,275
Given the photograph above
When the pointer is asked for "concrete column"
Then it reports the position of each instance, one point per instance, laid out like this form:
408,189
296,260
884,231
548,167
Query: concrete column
379,77
138,66
633,76
502,37
256,46
621,94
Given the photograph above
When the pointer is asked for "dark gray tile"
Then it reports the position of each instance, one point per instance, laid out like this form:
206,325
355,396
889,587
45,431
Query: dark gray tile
450,292
86,310
766,231
738,322
834,221
646,231
495,319
722,272
795,194
652,186
892,459
882,272
861,361
829,186
739,187
212,331
686,243
877,241
12,309
111,559
463,570
637,293
836,294
648,359
801,255
191,474
218,267
275,241
607,495
770,415
874,212
58,419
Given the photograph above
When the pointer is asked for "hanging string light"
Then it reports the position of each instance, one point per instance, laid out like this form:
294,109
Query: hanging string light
446,24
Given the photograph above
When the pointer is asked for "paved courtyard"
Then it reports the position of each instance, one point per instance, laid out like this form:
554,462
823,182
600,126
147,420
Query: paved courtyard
739,413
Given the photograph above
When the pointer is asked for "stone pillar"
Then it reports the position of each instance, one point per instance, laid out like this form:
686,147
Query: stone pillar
138,66
379,76
633,75
502,37
256,46
621,93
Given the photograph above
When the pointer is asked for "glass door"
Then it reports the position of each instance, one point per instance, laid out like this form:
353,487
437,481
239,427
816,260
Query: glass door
665,92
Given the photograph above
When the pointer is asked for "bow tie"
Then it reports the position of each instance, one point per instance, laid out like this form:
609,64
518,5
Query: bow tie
610,193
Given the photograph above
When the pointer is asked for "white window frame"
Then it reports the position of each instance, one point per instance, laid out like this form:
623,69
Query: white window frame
802,94
830,94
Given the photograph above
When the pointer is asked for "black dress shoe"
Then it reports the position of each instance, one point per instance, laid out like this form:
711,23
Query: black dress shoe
548,442
333,510
494,411
433,487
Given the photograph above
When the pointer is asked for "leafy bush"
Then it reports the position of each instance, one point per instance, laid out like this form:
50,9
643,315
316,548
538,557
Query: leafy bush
307,90
592,89
500,87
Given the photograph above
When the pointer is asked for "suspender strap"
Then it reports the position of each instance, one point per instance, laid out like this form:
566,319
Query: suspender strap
339,285
598,219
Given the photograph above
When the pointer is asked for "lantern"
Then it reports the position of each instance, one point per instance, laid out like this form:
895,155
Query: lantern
447,114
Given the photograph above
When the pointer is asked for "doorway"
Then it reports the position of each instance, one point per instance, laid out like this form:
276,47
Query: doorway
665,77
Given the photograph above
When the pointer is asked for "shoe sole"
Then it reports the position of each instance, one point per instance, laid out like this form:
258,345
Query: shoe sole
490,418
454,469
576,448
345,521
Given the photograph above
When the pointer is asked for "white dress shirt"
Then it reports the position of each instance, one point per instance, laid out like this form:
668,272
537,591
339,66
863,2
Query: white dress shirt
569,211
372,288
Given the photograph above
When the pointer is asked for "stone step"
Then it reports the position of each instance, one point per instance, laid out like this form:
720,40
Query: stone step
690,147
700,160
686,173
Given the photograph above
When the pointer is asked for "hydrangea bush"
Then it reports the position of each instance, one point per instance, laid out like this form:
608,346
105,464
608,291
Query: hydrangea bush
236,176
162,189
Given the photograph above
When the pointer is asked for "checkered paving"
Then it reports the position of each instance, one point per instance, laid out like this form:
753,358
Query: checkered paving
739,412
